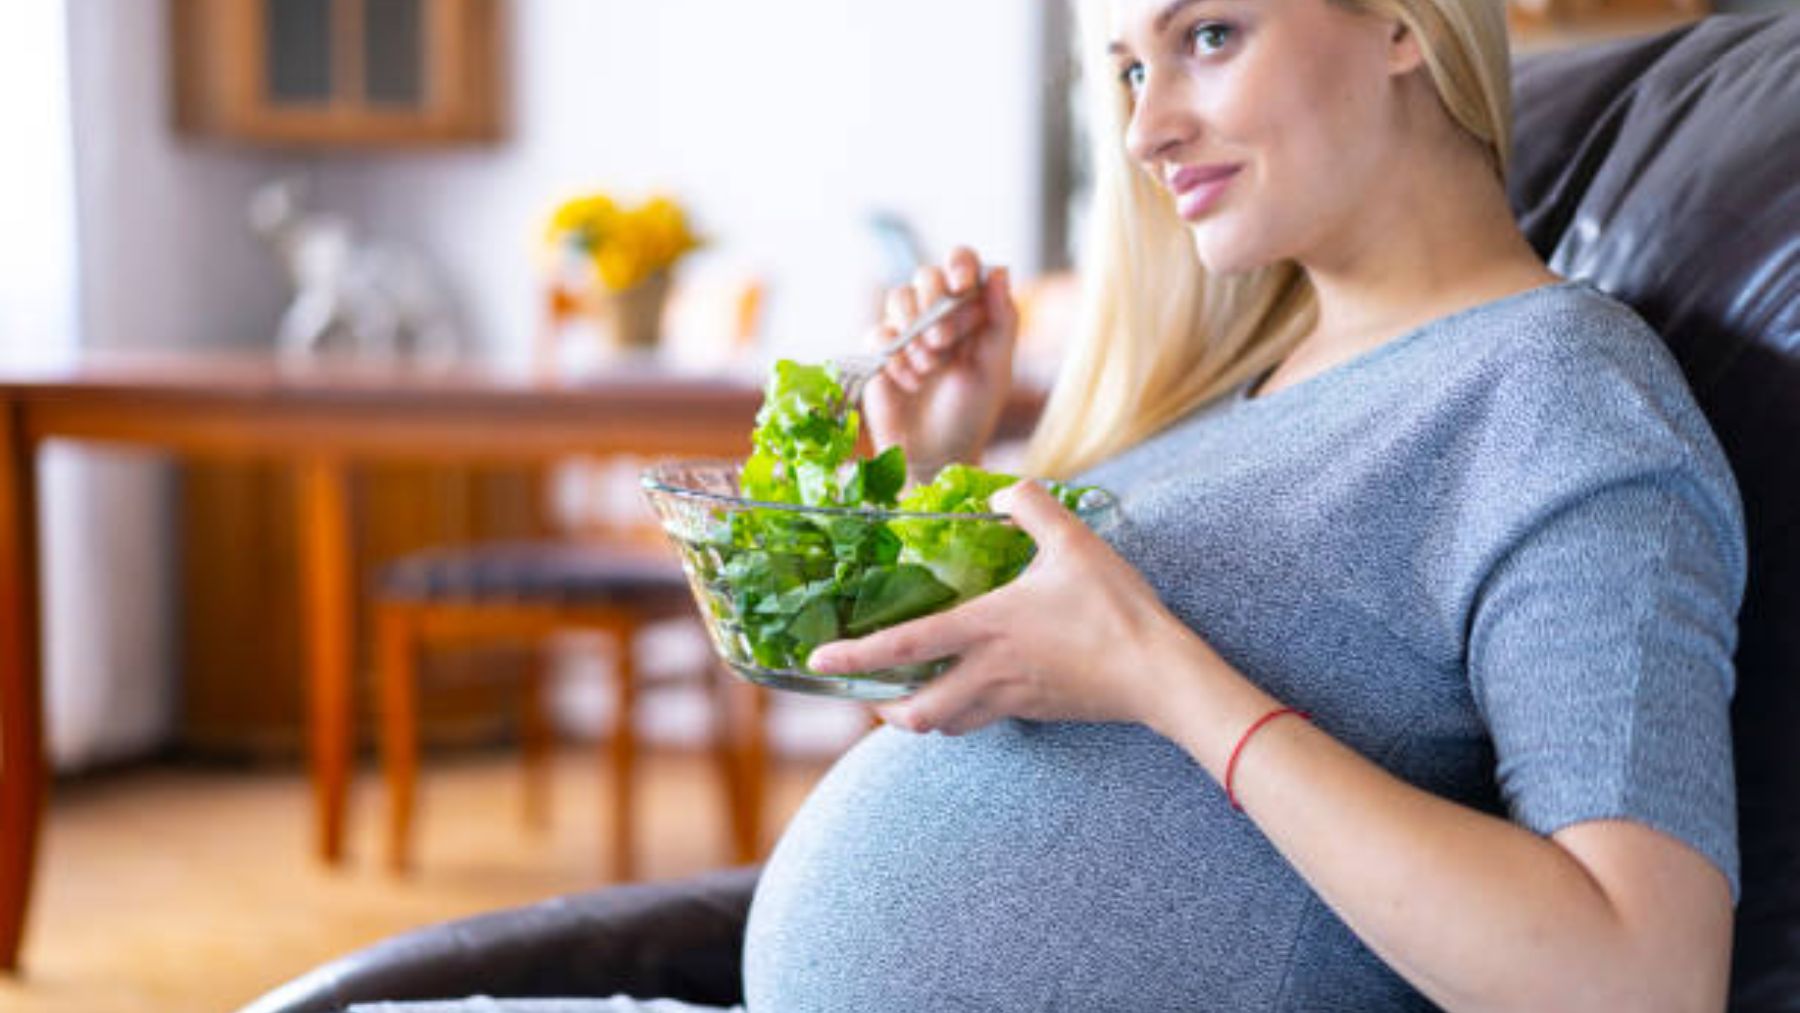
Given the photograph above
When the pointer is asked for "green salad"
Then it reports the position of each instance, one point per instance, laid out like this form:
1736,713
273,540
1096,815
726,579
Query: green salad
792,580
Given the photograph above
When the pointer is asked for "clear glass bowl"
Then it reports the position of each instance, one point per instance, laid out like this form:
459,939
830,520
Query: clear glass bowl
729,563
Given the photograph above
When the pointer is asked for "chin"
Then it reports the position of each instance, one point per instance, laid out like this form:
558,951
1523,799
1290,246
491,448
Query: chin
1223,253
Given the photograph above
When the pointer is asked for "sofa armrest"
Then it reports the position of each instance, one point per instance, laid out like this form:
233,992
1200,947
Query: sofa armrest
678,940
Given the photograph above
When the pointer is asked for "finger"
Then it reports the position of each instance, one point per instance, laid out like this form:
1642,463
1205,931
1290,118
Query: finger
952,703
902,374
928,286
1002,312
919,640
998,697
992,356
963,269
965,319
971,720
923,360
902,307
1040,514
877,337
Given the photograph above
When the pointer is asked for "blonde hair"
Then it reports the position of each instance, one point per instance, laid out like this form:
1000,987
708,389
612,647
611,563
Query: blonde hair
1157,335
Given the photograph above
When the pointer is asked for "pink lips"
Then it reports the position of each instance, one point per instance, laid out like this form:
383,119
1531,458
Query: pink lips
1198,187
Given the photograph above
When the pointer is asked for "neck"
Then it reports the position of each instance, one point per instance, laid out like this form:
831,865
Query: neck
1441,237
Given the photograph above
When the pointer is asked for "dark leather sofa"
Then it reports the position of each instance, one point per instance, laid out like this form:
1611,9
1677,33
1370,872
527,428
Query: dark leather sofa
1667,172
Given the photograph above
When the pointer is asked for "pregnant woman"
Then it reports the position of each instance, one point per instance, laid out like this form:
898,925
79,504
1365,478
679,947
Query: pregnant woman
1404,680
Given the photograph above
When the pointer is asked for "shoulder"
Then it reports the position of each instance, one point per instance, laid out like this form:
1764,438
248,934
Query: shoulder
1576,348
1580,381
1569,398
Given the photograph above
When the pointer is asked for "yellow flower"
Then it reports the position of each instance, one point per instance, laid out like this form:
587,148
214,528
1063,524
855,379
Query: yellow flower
626,245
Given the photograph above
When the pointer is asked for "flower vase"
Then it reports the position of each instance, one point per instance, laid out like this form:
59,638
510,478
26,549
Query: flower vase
630,320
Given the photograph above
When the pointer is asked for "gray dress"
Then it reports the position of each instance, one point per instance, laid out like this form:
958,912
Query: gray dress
1501,556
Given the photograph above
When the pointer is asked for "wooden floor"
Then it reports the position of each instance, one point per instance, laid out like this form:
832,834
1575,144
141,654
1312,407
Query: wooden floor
176,889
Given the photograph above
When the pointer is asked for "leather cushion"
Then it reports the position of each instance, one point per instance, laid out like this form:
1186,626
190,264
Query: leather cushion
680,940
1667,172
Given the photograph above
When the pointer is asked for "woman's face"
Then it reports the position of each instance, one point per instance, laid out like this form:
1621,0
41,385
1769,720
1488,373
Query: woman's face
1268,122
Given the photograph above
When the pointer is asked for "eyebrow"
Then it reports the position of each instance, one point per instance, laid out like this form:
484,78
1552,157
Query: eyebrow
1168,14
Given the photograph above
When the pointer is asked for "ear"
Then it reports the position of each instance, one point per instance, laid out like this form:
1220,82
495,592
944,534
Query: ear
1404,54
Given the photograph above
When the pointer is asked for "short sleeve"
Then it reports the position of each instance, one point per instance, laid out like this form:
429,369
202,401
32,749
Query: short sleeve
1600,647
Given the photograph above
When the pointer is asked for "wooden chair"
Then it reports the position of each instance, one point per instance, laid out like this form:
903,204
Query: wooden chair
615,578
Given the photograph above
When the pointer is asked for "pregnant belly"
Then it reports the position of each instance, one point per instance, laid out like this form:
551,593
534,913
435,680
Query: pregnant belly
1026,866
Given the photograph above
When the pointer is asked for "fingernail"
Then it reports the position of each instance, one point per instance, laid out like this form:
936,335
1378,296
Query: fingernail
820,661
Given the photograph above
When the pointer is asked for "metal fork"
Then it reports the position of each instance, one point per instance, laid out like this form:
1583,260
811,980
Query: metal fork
855,371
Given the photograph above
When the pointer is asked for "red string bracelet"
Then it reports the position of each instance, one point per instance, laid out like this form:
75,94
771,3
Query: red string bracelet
1236,751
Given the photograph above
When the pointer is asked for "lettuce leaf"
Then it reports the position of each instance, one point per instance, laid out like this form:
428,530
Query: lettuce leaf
785,582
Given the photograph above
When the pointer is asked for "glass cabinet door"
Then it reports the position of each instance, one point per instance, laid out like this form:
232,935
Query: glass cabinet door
297,51
393,52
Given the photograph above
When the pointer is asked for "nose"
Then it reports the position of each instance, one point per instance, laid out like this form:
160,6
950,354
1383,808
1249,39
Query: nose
1162,120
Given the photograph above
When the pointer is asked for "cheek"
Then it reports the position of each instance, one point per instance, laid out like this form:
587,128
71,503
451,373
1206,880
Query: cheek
1317,150
1285,153
1339,136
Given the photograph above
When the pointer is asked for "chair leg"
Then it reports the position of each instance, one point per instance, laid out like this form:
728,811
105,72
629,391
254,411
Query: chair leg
740,746
756,769
535,738
623,748
397,646
725,750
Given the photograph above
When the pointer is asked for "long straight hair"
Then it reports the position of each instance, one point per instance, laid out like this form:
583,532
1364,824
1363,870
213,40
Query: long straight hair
1157,335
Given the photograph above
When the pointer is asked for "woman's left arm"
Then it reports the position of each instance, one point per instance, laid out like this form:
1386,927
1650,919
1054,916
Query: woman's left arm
1476,912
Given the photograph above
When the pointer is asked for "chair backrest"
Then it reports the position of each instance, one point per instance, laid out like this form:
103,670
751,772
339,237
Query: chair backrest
1667,172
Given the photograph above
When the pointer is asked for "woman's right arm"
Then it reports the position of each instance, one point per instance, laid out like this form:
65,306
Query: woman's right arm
941,399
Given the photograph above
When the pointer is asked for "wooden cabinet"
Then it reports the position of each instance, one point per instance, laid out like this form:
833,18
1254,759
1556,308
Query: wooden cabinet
314,73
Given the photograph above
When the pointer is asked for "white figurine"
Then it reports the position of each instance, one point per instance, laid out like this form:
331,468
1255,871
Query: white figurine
378,300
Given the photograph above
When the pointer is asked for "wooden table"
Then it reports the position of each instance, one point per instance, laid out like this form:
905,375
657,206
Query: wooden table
324,419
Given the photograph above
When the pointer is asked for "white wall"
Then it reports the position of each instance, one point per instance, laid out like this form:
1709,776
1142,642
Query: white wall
166,257
37,194
165,262
781,123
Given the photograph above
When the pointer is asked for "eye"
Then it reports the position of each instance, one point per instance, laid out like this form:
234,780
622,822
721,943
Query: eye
1208,37
1132,78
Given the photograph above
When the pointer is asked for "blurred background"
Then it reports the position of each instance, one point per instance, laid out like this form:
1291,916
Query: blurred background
534,200
781,128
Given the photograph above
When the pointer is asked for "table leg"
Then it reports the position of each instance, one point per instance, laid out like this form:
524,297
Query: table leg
328,589
23,772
